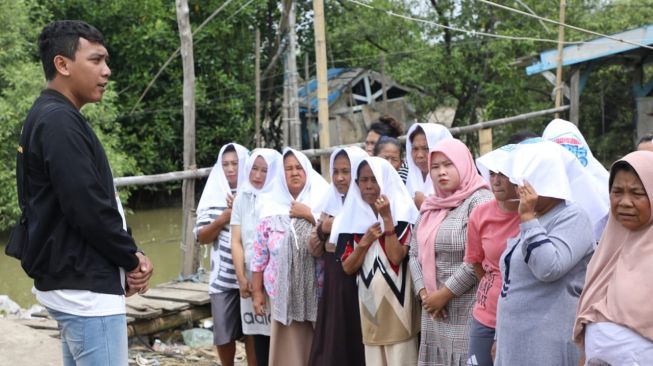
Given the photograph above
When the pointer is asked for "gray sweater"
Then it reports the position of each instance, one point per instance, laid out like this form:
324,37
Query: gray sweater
543,272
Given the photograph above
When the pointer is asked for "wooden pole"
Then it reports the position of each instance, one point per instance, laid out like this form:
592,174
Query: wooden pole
257,80
189,249
322,82
485,140
561,40
293,111
383,86
574,94
309,110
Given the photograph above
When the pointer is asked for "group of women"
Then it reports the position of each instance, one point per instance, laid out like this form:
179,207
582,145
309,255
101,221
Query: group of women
463,262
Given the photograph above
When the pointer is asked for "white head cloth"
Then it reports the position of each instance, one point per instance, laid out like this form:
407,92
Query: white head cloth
415,183
217,187
272,159
567,135
357,215
553,172
277,200
333,202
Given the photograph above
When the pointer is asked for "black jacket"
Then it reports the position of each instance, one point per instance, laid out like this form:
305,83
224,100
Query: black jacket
76,239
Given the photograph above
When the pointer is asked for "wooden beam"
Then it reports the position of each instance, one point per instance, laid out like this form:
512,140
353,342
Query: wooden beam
574,101
189,249
198,173
485,140
322,81
146,327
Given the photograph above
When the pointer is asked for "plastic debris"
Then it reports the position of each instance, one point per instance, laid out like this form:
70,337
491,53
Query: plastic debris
197,337
8,306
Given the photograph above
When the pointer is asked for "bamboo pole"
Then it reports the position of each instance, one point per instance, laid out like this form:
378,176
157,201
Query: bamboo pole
151,326
257,77
189,249
561,40
322,82
199,173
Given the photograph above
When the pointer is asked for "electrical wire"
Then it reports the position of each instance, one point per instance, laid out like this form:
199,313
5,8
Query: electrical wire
466,31
563,24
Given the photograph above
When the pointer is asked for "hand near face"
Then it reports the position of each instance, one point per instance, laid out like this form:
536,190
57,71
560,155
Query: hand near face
372,234
527,201
382,205
300,210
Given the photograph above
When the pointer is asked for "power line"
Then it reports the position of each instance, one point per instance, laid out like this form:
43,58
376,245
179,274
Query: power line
562,24
466,31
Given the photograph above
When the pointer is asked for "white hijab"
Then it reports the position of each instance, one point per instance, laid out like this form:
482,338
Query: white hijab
277,200
334,200
272,158
567,135
553,172
434,133
357,216
217,187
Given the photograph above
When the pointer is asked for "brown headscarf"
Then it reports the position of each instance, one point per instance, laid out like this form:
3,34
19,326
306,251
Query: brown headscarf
619,281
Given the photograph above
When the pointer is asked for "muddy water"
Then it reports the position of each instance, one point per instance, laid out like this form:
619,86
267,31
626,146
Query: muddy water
157,232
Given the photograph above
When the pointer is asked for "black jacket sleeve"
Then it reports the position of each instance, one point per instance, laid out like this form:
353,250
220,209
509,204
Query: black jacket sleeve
79,172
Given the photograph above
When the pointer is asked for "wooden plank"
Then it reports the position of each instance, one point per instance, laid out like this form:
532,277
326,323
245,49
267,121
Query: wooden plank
139,302
192,297
190,286
41,323
485,140
143,313
168,321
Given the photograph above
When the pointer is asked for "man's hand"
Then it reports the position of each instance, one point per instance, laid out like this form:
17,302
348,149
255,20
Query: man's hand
138,280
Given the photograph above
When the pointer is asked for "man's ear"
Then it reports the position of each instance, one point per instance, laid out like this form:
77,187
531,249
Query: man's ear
61,63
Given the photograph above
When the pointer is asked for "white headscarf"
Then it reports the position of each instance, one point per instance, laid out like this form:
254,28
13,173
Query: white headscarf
217,187
567,135
357,216
434,133
277,200
553,172
334,200
272,158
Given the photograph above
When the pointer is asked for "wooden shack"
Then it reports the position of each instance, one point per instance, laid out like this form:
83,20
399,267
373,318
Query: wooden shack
356,100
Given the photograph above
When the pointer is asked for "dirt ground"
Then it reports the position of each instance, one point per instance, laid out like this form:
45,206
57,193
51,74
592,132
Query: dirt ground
21,345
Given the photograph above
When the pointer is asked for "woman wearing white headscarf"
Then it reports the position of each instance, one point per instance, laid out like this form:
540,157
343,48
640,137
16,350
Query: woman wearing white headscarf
422,137
281,260
261,167
338,339
543,268
567,135
371,233
212,227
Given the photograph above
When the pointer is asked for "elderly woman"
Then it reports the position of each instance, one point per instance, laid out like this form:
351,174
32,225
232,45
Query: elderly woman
338,339
543,268
371,233
212,227
422,137
282,262
613,323
445,284
261,166
389,148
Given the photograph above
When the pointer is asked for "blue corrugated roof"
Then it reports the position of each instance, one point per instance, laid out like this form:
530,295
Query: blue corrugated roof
594,49
312,87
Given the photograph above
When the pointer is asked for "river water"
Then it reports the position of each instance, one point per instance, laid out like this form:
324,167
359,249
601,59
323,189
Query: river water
156,231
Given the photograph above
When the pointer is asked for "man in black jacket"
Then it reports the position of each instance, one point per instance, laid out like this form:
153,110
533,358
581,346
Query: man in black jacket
79,254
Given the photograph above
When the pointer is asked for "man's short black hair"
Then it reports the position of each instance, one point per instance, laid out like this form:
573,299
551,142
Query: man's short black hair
61,37
646,138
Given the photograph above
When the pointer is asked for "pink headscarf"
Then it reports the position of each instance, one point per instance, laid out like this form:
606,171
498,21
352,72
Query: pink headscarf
435,208
618,281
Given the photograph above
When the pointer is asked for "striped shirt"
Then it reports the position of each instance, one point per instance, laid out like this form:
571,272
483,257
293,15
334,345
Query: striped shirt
403,171
223,273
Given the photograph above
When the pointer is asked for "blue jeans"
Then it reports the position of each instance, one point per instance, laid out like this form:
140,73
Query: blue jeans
92,340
